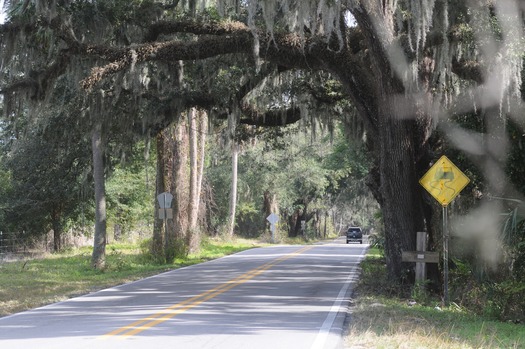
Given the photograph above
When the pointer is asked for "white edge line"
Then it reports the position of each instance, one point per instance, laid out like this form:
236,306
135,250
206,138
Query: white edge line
324,331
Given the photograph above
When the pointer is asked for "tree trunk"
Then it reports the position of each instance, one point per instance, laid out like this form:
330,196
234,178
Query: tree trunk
57,230
401,195
162,178
270,205
197,142
233,193
398,130
326,215
117,232
98,259
193,203
294,226
193,236
170,241
176,235
299,215
203,130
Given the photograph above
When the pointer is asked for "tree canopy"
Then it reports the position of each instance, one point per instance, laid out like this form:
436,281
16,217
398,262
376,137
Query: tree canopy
408,67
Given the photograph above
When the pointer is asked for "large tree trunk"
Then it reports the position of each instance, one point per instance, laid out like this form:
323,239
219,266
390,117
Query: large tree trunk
98,259
161,184
401,196
397,128
176,236
294,221
233,192
203,130
172,240
193,234
193,204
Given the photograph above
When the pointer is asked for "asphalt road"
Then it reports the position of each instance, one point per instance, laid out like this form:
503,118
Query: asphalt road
274,297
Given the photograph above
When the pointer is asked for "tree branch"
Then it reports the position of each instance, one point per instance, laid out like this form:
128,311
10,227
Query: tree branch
194,27
469,70
169,51
270,117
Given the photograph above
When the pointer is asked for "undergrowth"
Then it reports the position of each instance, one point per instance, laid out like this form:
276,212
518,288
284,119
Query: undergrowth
389,315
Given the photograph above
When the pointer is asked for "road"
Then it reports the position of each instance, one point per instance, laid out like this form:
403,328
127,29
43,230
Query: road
274,297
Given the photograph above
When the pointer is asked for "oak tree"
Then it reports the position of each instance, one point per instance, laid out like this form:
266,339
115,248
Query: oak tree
406,66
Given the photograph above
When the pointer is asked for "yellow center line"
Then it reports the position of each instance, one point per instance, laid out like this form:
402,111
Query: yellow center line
176,309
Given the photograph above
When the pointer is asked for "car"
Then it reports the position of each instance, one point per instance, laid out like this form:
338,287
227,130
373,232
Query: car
354,234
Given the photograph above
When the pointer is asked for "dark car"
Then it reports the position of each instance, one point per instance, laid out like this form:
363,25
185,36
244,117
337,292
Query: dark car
354,234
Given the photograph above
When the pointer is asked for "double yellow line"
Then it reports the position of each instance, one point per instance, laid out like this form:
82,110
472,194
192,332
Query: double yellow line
176,309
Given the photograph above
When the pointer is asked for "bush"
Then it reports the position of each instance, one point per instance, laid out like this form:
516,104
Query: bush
249,220
503,301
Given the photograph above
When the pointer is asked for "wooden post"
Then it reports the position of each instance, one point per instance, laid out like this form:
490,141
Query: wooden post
421,256
421,244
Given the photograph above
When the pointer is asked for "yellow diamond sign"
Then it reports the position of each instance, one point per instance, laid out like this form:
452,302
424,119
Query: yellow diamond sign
444,181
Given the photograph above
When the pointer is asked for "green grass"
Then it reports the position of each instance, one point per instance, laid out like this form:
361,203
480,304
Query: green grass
381,318
27,284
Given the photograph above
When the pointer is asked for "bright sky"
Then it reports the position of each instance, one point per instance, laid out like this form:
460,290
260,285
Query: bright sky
2,14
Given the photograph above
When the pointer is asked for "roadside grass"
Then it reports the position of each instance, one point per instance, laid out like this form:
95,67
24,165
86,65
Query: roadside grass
30,283
381,318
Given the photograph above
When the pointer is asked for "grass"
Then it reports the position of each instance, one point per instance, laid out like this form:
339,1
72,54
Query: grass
380,318
31,283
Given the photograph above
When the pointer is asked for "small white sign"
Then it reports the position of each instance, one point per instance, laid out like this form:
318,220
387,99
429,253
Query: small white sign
165,200
272,218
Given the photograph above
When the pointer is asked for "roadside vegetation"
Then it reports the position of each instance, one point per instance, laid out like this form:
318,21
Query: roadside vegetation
30,283
384,315
339,137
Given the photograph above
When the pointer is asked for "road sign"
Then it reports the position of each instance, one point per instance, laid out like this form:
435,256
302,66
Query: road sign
165,212
273,218
444,181
165,200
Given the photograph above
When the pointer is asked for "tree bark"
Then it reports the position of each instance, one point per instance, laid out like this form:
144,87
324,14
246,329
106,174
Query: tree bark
398,143
57,230
98,259
161,181
233,192
193,199
402,203
193,234
203,130
176,235
270,205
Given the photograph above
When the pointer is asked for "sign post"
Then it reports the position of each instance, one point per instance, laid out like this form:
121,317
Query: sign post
165,210
444,181
421,256
273,219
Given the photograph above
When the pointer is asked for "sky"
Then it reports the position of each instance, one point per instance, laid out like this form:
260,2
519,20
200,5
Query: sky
2,13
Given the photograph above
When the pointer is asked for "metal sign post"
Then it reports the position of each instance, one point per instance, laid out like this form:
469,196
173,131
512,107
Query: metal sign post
445,255
444,181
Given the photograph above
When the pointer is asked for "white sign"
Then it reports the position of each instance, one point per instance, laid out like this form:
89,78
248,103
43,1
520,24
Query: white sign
272,218
165,200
